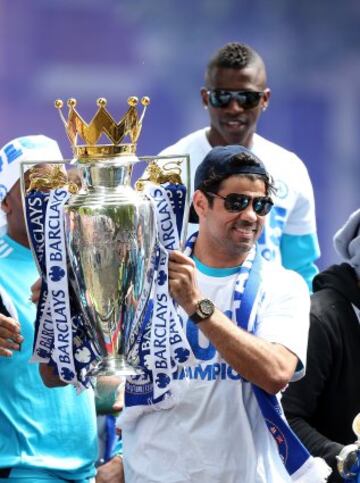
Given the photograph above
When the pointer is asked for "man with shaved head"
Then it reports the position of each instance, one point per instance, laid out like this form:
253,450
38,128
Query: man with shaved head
235,94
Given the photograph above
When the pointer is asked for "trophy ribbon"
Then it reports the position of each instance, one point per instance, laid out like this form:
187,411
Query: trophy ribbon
44,329
177,197
36,204
168,348
57,279
35,210
133,332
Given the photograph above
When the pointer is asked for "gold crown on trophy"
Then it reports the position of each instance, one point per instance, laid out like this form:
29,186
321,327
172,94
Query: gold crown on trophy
103,123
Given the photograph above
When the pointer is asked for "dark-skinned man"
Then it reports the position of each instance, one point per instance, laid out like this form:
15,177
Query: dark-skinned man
235,95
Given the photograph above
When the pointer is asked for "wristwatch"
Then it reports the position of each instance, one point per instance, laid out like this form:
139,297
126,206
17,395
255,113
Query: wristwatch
205,309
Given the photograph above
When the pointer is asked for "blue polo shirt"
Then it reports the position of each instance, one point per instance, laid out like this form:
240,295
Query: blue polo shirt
42,429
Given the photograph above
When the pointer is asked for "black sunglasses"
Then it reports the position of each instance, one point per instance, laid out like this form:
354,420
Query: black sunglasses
235,202
245,99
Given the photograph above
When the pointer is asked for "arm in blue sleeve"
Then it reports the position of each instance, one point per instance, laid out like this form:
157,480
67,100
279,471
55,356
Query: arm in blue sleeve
299,252
118,448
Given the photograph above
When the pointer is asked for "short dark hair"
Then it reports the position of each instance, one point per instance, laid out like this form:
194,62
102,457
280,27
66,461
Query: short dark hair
220,163
213,182
233,55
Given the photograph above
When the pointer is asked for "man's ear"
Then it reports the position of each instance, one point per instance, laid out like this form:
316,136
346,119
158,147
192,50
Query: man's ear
266,99
204,96
200,203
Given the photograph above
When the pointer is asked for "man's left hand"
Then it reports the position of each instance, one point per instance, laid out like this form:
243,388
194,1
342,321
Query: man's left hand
111,472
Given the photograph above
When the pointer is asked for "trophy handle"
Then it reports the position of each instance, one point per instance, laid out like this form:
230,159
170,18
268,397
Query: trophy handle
348,460
169,168
41,182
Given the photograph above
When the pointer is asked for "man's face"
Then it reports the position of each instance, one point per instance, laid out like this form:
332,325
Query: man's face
231,235
234,124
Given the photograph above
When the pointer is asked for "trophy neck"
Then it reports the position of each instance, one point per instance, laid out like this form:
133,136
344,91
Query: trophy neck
110,173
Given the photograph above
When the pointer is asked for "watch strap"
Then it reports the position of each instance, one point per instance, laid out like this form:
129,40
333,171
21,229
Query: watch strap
196,318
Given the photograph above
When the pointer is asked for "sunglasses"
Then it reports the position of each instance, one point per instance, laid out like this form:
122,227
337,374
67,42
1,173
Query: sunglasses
235,202
245,99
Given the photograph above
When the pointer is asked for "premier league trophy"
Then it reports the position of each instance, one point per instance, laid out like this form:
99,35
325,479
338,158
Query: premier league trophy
110,233
101,266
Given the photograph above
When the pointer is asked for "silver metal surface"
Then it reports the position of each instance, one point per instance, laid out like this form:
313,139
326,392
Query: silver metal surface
348,462
110,231
184,160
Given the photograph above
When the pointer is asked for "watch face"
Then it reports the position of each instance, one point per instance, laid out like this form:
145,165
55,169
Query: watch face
206,307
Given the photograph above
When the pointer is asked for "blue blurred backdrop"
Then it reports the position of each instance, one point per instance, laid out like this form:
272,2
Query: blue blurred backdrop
116,48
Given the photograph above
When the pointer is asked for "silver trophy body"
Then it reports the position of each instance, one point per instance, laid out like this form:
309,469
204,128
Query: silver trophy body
110,235
110,242
348,460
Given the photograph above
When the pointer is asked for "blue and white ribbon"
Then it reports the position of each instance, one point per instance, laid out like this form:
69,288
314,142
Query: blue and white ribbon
166,219
177,197
163,344
58,288
293,453
35,211
44,329
169,346
46,233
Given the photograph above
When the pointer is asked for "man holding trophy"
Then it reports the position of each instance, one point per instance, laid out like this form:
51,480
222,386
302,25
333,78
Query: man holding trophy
246,321
206,337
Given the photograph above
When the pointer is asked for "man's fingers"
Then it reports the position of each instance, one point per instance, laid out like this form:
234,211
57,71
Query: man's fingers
9,323
9,344
5,352
10,330
180,273
178,257
10,337
10,334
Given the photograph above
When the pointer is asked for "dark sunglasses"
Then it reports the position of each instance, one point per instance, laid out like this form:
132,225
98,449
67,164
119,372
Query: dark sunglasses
235,202
245,99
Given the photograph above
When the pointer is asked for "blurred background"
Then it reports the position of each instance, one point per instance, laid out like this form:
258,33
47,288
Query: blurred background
116,48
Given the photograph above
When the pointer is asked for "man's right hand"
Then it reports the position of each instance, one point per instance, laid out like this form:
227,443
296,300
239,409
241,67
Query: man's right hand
10,337
111,472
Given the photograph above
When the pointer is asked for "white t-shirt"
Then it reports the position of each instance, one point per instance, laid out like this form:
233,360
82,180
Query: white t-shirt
216,433
294,208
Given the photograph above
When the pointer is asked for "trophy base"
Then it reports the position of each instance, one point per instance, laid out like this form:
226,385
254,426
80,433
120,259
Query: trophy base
114,366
